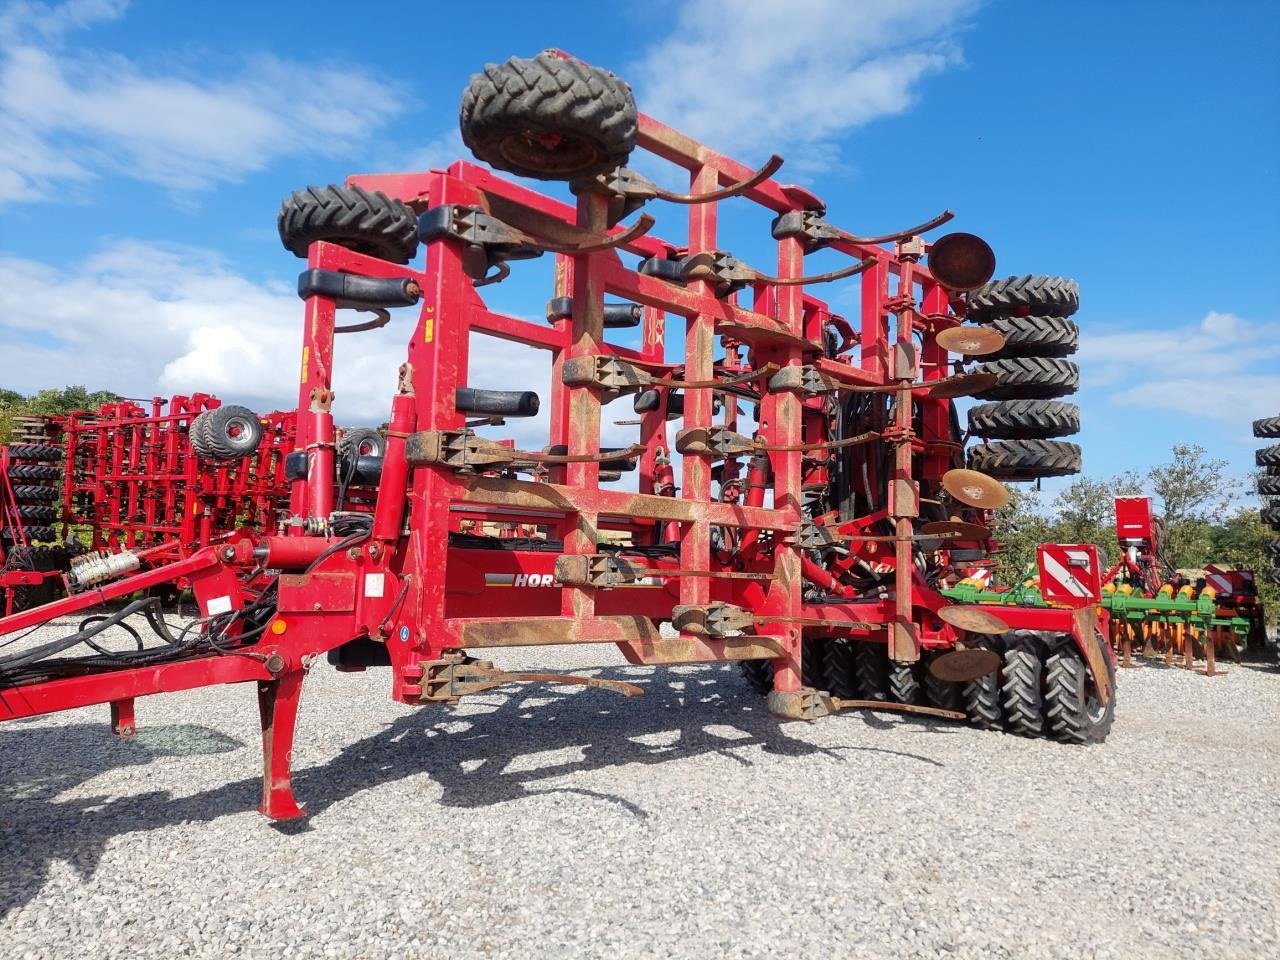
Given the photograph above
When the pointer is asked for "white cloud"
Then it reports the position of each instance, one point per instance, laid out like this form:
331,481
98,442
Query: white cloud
51,20
1221,368
63,117
141,320
800,73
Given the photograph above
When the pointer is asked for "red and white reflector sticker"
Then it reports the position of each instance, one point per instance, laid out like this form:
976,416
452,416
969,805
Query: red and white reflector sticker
1069,573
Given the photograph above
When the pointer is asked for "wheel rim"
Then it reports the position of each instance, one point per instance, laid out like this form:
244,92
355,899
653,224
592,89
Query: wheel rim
549,152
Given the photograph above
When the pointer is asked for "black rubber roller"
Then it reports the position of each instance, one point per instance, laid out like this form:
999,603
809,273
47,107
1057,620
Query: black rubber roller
496,403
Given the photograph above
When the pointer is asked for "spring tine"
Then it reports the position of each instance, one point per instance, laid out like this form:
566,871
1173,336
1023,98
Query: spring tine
592,243
771,166
925,227
764,371
821,277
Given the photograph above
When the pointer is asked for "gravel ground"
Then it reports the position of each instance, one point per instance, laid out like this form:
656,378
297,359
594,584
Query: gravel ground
556,823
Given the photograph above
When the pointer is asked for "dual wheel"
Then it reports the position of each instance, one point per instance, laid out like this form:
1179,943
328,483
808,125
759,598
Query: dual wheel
1268,459
225,433
1042,689
1021,424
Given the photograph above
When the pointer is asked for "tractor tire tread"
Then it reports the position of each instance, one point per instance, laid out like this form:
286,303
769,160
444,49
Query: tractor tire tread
366,221
547,94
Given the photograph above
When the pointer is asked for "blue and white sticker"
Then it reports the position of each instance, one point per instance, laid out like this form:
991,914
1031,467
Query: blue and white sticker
404,634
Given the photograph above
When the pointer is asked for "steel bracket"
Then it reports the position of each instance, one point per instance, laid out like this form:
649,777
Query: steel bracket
714,441
600,570
808,225
611,376
460,450
489,242
803,704
713,620
804,379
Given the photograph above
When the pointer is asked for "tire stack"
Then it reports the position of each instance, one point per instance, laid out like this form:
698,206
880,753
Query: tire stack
1268,461
35,477
1021,425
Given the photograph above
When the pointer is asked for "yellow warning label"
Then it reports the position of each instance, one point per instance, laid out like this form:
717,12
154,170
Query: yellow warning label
428,324
306,357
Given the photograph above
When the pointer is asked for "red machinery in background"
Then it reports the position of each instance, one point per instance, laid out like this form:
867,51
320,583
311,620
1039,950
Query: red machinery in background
799,518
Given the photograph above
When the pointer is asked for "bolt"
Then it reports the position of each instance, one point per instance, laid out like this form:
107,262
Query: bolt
316,606
354,553
274,664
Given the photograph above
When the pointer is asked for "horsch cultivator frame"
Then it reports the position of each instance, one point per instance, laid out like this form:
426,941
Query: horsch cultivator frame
809,545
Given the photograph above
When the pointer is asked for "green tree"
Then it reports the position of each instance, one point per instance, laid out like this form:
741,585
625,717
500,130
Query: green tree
1193,492
1086,511
1019,527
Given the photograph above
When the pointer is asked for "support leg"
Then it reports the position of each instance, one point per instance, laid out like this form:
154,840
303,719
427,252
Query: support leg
278,709
122,722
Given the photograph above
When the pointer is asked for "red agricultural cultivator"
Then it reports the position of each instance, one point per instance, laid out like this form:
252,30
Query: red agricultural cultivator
799,493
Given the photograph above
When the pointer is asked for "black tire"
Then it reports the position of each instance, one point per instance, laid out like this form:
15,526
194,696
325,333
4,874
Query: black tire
366,221
1272,470
1271,515
37,534
839,667
548,118
1071,708
1036,337
1267,427
1272,547
229,433
196,436
982,696
25,493
366,441
759,674
1021,692
941,693
1025,459
34,471
1043,296
904,682
34,451
1024,419
871,670
1267,486
1030,378
812,672
1266,457
37,513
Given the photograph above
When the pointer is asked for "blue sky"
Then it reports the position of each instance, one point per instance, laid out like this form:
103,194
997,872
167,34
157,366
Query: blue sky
1131,146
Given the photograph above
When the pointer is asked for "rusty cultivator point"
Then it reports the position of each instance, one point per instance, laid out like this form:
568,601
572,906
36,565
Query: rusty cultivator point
793,496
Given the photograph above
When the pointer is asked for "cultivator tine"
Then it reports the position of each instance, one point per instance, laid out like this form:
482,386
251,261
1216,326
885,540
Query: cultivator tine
891,707
629,190
849,271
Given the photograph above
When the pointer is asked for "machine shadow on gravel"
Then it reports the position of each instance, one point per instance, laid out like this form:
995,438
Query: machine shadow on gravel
470,756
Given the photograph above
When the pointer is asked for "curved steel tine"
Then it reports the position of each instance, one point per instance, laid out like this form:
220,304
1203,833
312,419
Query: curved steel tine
821,277
771,166
501,272
381,318
925,227
604,242
764,371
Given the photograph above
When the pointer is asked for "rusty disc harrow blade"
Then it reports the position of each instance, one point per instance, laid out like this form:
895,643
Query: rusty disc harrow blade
961,261
956,530
972,619
964,666
970,341
962,385
975,489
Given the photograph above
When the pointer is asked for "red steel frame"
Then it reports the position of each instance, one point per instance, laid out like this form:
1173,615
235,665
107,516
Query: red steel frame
404,586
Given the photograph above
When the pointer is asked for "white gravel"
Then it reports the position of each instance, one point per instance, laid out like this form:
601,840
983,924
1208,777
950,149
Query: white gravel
551,822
